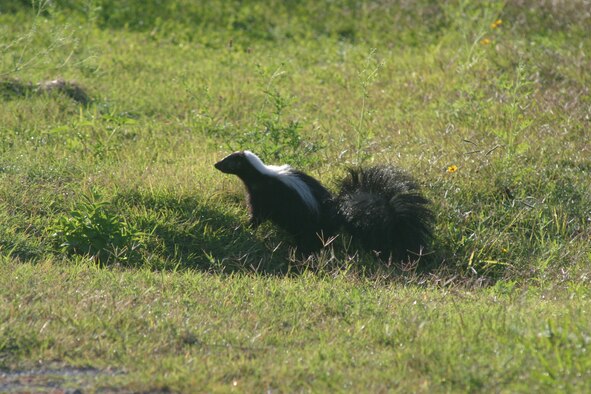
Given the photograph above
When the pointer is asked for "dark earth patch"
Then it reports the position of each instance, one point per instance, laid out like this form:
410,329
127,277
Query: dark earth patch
63,380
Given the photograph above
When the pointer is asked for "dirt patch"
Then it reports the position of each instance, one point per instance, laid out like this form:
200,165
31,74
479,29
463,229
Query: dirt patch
63,380
14,88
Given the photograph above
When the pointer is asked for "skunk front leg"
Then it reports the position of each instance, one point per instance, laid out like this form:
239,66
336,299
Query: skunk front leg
254,222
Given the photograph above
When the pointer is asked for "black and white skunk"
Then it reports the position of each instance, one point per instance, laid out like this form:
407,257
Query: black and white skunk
380,207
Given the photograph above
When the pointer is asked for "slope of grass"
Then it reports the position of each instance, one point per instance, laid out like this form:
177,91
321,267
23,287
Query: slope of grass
124,250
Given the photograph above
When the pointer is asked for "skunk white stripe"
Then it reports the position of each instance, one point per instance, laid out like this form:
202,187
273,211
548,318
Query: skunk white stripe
285,174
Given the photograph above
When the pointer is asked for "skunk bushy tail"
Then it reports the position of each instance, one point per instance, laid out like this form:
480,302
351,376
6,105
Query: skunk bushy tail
382,209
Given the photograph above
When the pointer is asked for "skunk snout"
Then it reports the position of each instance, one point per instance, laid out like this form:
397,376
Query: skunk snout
223,166
229,164
219,165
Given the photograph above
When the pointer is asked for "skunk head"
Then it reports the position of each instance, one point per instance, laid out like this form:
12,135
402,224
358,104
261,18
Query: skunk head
236,163
246,164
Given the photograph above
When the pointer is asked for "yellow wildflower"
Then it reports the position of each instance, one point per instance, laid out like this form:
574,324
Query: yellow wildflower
485,41
451,169
496,23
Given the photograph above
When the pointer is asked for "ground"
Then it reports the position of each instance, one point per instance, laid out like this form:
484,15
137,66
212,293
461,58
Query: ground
126,260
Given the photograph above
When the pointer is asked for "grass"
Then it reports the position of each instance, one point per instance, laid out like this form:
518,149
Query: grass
186,331
125,252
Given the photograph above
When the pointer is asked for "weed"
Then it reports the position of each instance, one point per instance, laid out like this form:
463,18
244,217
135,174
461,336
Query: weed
367,76
273,137
518,91
92,228
26,53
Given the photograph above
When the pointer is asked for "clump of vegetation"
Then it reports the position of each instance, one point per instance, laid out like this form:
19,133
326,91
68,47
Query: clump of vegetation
94,229
277,138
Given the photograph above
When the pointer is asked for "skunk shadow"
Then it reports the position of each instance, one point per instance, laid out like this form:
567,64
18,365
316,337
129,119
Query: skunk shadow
188,233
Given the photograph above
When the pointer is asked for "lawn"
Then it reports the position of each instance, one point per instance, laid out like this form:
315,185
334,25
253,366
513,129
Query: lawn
126,262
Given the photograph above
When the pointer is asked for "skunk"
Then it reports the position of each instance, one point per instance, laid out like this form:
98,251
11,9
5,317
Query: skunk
289,198
380,207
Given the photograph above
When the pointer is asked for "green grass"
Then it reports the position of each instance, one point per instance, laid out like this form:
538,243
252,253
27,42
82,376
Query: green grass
187,331
125,251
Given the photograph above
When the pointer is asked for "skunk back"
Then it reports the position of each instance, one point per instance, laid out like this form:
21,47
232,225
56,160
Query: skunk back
382,209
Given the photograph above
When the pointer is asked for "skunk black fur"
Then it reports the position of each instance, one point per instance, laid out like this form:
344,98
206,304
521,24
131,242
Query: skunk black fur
380,207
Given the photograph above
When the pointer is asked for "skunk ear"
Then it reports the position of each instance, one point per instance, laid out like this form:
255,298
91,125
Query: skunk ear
231,164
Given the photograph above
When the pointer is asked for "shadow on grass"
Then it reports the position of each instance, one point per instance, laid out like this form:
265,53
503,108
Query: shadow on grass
186,232
181,231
